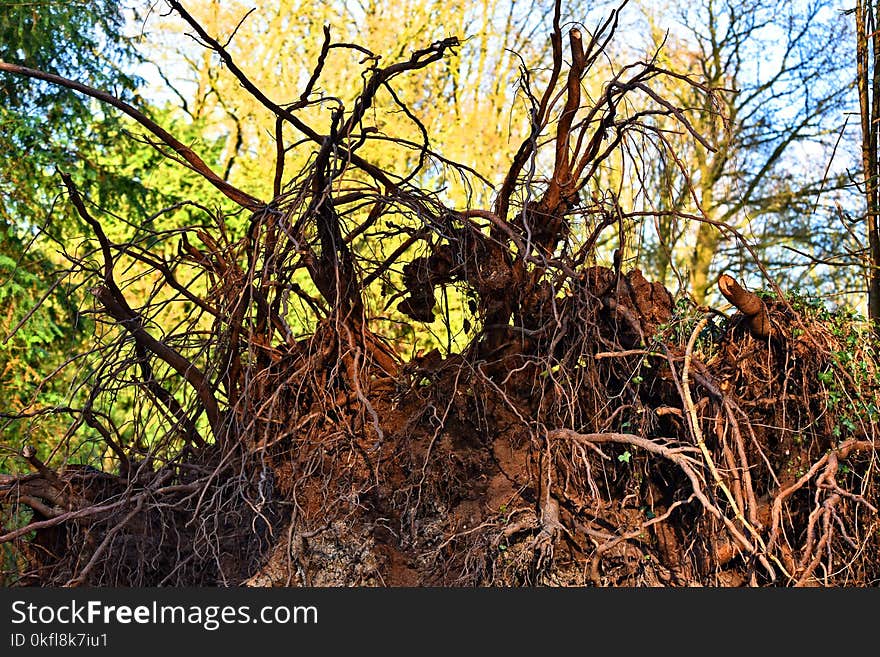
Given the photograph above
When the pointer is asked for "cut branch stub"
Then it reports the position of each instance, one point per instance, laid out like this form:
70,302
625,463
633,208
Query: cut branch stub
749,304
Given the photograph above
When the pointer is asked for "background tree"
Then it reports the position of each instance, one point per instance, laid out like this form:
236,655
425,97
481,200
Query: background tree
782,74
58,131
124,176
88,41
465,102
867,53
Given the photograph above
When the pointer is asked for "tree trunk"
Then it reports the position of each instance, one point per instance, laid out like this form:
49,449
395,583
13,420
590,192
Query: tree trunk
869,100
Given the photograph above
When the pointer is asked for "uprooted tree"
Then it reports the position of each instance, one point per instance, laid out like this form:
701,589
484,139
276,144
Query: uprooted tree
590,430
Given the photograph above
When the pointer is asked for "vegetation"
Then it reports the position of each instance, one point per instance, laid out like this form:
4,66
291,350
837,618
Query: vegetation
358,300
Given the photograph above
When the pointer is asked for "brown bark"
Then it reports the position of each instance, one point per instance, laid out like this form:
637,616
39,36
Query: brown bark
869,100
